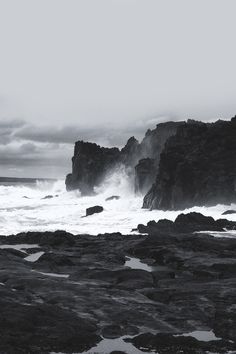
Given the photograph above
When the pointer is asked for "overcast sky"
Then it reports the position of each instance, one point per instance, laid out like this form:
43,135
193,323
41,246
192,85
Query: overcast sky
103,70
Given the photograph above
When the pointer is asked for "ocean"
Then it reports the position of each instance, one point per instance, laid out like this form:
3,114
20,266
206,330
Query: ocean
23,207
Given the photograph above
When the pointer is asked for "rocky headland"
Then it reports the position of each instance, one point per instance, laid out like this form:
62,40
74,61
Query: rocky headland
156,291
91,162
197,167
176,166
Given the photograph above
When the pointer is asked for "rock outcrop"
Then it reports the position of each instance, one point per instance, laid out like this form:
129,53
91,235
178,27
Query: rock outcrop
92,162
94,210
197,167
190,222
80,291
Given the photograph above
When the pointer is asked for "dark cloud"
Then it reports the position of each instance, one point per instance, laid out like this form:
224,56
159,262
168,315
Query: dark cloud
8,129
23,145
109,135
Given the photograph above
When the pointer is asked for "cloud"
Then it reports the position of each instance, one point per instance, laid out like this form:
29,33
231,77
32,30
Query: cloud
113,134
24,145
8,129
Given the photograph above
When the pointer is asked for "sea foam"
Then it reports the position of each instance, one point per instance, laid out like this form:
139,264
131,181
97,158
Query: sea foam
24,209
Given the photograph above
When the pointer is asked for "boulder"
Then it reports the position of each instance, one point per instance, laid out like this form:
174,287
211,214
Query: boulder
93,210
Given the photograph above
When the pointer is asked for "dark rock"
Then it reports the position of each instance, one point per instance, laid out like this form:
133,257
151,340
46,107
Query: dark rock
113,197
145,173
228,212
42,329
129,154
91,162
197,167
48,197
190,222
195,222
171,344
57,238
93,210
112,332
80,290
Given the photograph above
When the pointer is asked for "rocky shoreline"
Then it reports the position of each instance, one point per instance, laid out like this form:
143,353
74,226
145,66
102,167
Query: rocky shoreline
61,293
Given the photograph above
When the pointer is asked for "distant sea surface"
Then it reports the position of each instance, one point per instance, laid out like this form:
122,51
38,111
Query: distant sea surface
23,207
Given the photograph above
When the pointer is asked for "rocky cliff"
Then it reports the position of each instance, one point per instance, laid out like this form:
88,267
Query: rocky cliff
91,162
197,167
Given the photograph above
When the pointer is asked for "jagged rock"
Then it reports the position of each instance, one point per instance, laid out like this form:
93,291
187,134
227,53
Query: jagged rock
197,167
228,212
91,162
145,173
130,153
94,210
113,197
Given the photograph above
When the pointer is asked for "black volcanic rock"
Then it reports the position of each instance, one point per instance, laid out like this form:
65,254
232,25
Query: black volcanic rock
91,162
145,173
74,295
191,222
197,167
93,210
164,343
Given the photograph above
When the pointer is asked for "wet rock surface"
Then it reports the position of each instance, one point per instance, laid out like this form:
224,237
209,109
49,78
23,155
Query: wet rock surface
94,210
79,290
191,222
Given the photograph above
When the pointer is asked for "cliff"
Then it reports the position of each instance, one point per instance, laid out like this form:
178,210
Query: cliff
91,162
197,167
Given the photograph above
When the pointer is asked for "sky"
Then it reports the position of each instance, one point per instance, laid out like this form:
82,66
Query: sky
104,70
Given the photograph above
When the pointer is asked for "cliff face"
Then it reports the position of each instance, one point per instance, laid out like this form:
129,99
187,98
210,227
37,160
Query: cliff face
91,162
197,167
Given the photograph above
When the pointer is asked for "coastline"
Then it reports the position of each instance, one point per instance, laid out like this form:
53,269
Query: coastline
80,291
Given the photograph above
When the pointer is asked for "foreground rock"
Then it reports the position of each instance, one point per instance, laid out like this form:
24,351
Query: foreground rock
197,167
79,290
93,210
190,222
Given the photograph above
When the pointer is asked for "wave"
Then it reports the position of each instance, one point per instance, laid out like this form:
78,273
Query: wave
23,208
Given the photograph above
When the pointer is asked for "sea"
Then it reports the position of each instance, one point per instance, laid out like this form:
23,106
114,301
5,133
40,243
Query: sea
23,207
